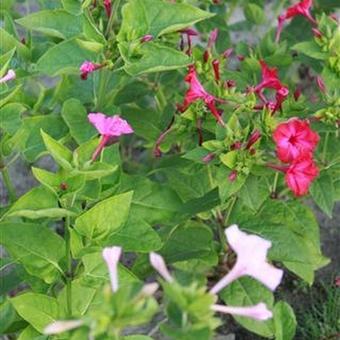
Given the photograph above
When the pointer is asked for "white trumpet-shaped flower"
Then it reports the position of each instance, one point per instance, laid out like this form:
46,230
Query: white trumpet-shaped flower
251,251
159,265
62,326
111,256
258,312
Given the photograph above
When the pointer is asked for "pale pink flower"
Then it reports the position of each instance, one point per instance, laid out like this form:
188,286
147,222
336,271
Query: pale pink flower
251,251
10,75
111,256
62,326
158,263
109,127
258,312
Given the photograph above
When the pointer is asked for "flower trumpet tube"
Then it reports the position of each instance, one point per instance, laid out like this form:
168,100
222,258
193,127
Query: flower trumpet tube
258,312
111,257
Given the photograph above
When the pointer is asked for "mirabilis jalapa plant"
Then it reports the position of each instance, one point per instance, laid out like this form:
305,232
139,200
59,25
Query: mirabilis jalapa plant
164,131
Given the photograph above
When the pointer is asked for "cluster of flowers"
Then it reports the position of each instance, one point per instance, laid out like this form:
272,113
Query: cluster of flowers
295,144
251,251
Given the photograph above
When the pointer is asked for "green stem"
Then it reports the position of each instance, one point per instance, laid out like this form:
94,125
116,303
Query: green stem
276,178
230,209
69,267
324,150
8,183
112,17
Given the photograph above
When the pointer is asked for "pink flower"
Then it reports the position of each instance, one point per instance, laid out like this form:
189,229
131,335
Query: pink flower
300,175
10,75
196,92
321,84
111,257
301,8
258,312
232,176
108,7
227,53
216,67
109,128
293,139
254,137
270,80
212,38
158,263
146,38
88,67
189,32
251,251
211,42
62,326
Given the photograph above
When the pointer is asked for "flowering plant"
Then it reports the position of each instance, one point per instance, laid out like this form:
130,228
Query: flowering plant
151,127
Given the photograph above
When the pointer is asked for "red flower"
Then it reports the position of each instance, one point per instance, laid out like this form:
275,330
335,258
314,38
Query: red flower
301,174
108,7
294,139
301,8
270,80
196,92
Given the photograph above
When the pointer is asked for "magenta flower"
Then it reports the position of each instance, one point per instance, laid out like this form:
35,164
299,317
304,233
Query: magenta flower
294,138
159,265
301,8
196,91
10,75
109,127
300,175
111,257
270,80
258,312
146,38
321,84
108,7
88,67
251,260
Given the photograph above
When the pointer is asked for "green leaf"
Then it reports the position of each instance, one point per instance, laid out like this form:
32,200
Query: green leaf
229,159
310,49
137,337
35,246
75,116
36,199
322,191
152,57
137,236
152,202
8,42
72,6
10,117
254,192
28,138
285,321
96,272
157,17
30,333
247,292
61,154
254,13
53,213
82,298
105,218
37,309
67,56
192,241
55,23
